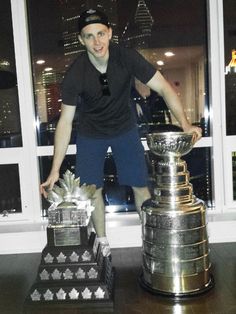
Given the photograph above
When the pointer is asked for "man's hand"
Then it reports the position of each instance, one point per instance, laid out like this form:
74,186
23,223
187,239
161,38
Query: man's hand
49,183
195,130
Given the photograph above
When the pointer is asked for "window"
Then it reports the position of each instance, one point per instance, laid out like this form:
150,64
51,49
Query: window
10,201
234,174
10,126
10,129
172,35
230,64
45,163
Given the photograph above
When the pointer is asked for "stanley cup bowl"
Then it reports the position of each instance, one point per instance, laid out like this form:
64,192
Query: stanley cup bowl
170,144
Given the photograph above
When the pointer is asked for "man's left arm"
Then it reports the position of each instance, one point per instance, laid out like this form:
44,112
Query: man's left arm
163,88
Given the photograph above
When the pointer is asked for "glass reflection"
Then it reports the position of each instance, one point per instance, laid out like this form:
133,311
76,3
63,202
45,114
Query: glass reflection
170,34
172,37
119,198
10,129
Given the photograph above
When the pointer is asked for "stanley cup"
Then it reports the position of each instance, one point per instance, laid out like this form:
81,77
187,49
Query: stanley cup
174,230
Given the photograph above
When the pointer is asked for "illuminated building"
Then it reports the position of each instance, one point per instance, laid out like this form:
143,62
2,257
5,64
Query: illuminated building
137,32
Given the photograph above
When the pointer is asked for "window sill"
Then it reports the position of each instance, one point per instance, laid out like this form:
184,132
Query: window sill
123,230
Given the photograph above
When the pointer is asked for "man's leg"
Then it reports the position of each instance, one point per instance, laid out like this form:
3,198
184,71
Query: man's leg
98,215
89,167
141,194
99,223
131,165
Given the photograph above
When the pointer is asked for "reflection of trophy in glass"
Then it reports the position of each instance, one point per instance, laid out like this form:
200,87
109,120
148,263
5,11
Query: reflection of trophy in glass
73,270
175,243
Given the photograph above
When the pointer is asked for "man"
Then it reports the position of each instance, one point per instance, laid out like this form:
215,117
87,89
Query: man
102,78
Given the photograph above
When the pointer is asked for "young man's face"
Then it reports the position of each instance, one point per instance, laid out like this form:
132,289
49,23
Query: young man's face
96,37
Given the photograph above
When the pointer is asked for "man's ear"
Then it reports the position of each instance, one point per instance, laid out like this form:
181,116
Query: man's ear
81,40
110,33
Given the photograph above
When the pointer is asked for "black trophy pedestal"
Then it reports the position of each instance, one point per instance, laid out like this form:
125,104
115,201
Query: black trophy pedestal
73,276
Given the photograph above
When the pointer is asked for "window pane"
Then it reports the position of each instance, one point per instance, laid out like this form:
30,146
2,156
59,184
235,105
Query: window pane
120,198
152,27
10,200
10,129
234,174
230,64
199,167
116,198
171,34
45,164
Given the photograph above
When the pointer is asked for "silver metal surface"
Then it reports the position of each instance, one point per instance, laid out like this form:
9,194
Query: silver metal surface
174,230
71,203
169,144
180,267
173,236
175,219
186,251
178,285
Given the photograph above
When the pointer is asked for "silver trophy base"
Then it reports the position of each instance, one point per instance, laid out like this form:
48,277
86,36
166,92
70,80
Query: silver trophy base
157,289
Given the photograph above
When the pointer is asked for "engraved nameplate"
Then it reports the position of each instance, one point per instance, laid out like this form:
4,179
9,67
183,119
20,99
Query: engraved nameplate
67,236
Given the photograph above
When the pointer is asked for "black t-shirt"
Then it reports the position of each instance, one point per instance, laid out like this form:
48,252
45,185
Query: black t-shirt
102,116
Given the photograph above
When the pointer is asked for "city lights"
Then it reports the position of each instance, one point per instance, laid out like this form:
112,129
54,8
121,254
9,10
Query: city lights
169,54
40,61
160,62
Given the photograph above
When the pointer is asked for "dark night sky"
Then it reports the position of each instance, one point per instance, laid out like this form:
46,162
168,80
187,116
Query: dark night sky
176,23
6,36
187,16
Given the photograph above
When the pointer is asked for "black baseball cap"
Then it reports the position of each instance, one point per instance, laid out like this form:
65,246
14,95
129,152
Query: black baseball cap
92,16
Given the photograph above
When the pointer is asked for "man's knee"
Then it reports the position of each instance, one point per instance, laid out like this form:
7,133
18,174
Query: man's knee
141,193
98,193
98,197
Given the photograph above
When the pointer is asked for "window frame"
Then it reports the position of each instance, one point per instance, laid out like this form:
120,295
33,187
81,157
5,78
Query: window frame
27,155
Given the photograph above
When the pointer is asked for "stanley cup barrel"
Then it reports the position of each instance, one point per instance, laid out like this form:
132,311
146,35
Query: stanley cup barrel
174,230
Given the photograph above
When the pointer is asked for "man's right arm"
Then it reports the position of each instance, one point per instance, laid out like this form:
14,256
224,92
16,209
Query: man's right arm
61,142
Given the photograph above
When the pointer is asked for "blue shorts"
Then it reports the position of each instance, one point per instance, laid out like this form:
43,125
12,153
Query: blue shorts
128,154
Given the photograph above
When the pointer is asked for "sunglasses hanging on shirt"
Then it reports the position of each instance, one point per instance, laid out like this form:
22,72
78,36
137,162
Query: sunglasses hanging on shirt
104,82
